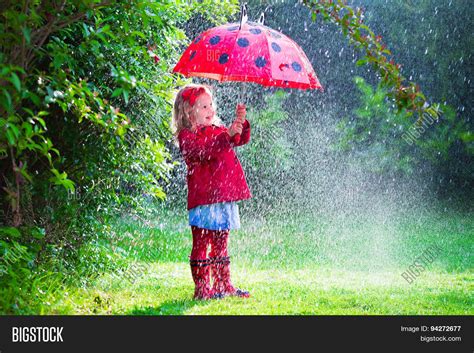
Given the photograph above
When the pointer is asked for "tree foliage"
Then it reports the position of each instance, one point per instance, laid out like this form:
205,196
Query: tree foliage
449,145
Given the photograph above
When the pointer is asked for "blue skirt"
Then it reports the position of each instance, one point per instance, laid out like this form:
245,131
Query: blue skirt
216,216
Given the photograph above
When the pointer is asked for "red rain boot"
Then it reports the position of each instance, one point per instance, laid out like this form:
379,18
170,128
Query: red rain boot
222,285
200,270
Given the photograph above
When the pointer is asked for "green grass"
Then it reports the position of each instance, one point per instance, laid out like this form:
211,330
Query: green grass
293,265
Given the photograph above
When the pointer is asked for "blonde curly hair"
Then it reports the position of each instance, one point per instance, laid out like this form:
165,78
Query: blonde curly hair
182,108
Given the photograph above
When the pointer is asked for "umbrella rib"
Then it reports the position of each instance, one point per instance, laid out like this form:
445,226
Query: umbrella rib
222,79
269,59
303,56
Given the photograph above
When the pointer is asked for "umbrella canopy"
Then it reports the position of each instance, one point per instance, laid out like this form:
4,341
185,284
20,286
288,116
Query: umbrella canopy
248,52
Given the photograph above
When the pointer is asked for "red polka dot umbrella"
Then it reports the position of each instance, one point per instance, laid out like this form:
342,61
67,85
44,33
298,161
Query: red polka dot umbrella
248,52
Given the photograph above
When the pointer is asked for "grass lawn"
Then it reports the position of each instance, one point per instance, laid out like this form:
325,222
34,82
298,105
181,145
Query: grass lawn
305,264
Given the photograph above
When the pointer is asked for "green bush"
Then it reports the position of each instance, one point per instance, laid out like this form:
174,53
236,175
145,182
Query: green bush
376,135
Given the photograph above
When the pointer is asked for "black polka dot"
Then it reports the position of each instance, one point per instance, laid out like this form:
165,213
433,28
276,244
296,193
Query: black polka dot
296,66
214,40
276,47
197,39
260,62
233,28
243,42
255,30
193,53
223,58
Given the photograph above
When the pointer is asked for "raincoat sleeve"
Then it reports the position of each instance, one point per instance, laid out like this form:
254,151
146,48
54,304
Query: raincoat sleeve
197,147
244,136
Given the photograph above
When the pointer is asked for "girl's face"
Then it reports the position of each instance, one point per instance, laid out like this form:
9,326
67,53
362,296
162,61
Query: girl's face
202,112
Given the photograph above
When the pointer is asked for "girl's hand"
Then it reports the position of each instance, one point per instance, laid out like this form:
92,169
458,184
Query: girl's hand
241,112
235,128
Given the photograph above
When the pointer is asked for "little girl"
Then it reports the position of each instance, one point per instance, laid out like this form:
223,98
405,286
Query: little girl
215,182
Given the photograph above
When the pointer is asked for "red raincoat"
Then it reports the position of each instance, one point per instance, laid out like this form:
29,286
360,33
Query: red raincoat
214,171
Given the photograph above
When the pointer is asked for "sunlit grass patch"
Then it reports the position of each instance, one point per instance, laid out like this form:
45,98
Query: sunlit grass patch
167,290
309,266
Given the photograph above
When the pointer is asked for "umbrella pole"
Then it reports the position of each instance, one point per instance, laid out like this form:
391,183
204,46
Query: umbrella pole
242,92
241,100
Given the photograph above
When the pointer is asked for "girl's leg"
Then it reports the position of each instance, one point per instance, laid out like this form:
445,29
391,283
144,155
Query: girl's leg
219,258
200,264
220,265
